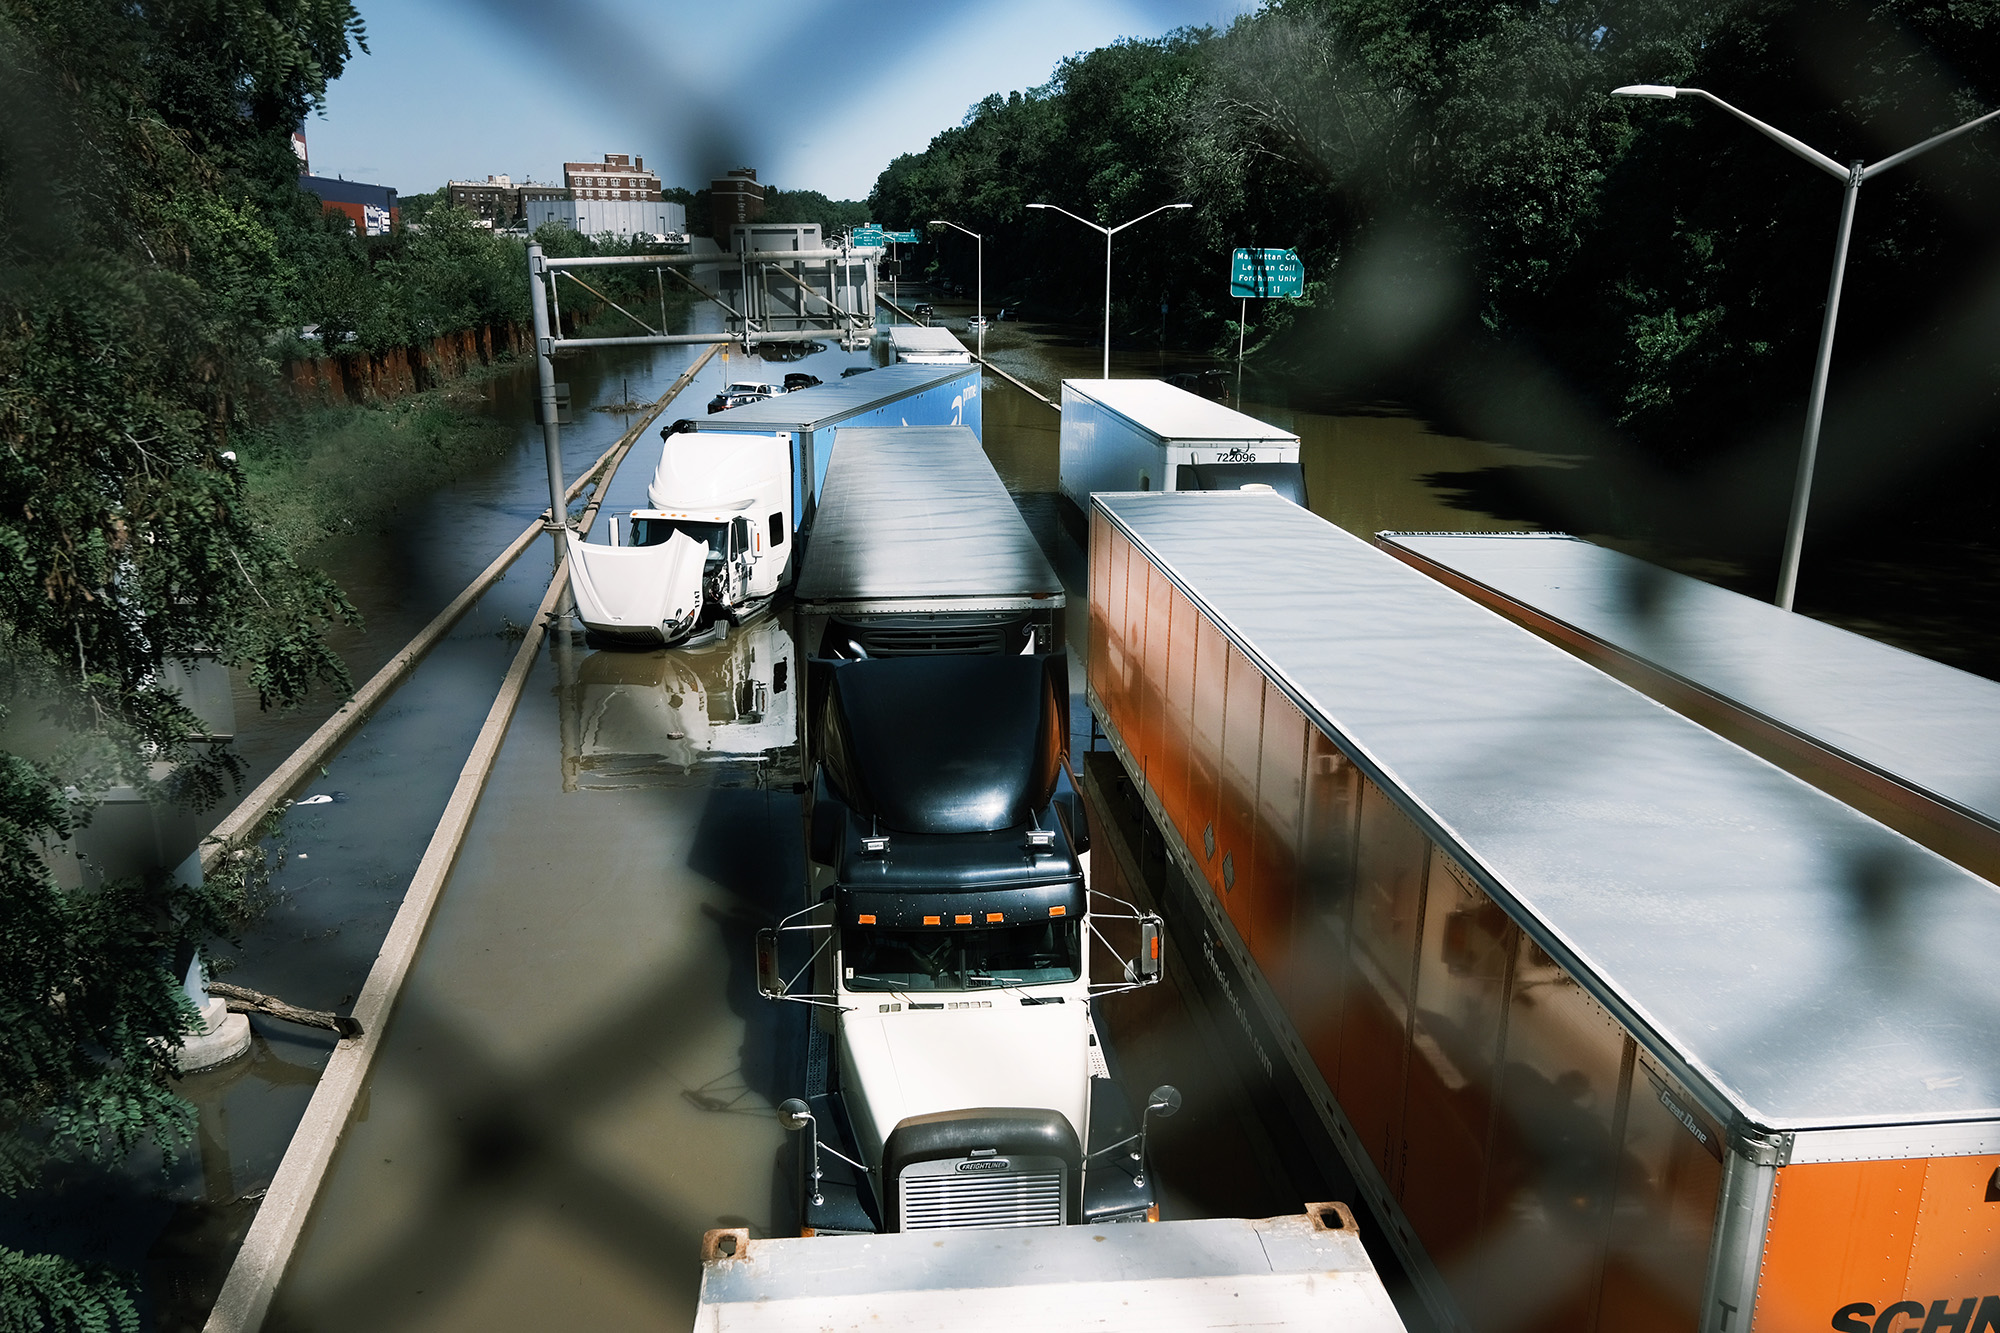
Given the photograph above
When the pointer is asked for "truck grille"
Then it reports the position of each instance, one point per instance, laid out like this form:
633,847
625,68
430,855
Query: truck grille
1030,1199
921,640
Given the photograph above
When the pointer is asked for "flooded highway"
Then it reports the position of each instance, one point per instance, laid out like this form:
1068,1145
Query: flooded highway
580,1077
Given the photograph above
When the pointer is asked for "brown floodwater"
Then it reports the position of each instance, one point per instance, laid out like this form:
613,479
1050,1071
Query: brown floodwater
580,1079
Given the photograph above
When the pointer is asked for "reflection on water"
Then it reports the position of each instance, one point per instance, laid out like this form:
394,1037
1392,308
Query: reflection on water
642,719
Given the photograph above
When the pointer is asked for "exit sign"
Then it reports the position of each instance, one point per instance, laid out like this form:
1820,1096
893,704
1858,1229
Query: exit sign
1256,273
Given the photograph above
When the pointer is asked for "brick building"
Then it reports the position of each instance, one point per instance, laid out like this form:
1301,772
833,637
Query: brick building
495,201
735,200
619,176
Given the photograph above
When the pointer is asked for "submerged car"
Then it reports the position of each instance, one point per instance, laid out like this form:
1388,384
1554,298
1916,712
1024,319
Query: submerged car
739,392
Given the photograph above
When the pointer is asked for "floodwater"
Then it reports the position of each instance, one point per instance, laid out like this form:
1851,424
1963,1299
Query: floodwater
580,1077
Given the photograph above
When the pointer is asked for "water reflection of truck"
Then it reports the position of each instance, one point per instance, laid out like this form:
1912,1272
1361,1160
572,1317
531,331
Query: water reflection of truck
638,719
731,496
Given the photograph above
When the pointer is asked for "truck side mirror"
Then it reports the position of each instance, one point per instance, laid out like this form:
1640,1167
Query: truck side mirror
1163,1102
794,1114
770,983
1152,934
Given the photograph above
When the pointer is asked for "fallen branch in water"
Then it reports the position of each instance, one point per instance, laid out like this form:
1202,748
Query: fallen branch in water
242,1000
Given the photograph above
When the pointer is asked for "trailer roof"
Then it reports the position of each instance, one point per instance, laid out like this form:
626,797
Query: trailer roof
1811,967
1928,726
928,338
1216,1274
830,404
918,513
1173,413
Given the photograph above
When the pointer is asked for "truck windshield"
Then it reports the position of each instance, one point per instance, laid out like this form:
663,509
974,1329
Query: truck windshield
659,531
1040,953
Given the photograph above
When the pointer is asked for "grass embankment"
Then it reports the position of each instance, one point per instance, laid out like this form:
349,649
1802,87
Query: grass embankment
325,472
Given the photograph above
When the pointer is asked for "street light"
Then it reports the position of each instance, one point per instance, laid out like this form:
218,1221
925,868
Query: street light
980,303
1852,177
1109,232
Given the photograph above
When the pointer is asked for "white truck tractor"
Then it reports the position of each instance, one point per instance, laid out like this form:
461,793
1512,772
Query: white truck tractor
952,1072
716,542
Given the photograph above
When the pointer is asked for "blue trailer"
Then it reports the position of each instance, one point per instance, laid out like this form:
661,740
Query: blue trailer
900,395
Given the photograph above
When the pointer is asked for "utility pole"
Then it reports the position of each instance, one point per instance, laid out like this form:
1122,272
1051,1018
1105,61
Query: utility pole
538,279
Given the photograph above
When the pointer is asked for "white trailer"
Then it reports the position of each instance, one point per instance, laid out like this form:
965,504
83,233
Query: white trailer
1147,435
925,345
1304,1272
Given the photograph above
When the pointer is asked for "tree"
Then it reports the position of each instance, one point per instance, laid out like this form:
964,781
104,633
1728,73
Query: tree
140,289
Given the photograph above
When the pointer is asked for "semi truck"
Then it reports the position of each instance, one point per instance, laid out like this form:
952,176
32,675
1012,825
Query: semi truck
1148,435
918,548
731,499
953,1073
1617,1025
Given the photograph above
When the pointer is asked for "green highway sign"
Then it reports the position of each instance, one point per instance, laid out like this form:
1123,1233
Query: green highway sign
903,237
869,236
1256,273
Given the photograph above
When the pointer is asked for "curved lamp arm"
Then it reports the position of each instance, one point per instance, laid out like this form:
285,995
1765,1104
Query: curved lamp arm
1085,221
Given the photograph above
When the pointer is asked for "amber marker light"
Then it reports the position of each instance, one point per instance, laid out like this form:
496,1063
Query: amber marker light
992,917
933,921
962,920
1058,911
865,919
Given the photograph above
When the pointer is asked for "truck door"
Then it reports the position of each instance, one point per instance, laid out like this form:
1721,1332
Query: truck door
740,557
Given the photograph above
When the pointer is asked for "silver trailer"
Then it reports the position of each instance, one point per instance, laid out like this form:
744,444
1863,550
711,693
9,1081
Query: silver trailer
925,345
918,548
1147,435
1913,742
1307,1273
890,396
1618,1025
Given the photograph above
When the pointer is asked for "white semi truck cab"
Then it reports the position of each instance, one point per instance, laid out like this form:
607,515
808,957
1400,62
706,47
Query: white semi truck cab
715,542
953,1073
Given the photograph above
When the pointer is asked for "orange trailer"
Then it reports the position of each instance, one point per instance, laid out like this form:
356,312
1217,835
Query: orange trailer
1618,1025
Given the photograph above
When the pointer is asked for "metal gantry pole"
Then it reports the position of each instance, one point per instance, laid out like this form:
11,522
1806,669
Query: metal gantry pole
538,282
1242,319
1795,527
1107,305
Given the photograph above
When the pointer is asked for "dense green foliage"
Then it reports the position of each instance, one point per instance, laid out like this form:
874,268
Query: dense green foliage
436,274
1493,236
144,177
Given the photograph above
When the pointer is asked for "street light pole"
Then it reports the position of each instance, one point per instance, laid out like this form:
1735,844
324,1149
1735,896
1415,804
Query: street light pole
979,302
1109,232
1852,178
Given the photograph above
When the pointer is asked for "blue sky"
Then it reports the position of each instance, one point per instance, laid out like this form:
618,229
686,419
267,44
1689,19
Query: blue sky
815,95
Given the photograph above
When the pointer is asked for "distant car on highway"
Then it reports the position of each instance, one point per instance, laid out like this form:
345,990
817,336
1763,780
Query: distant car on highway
852,371
924,311
739,392
798,379
1208,383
